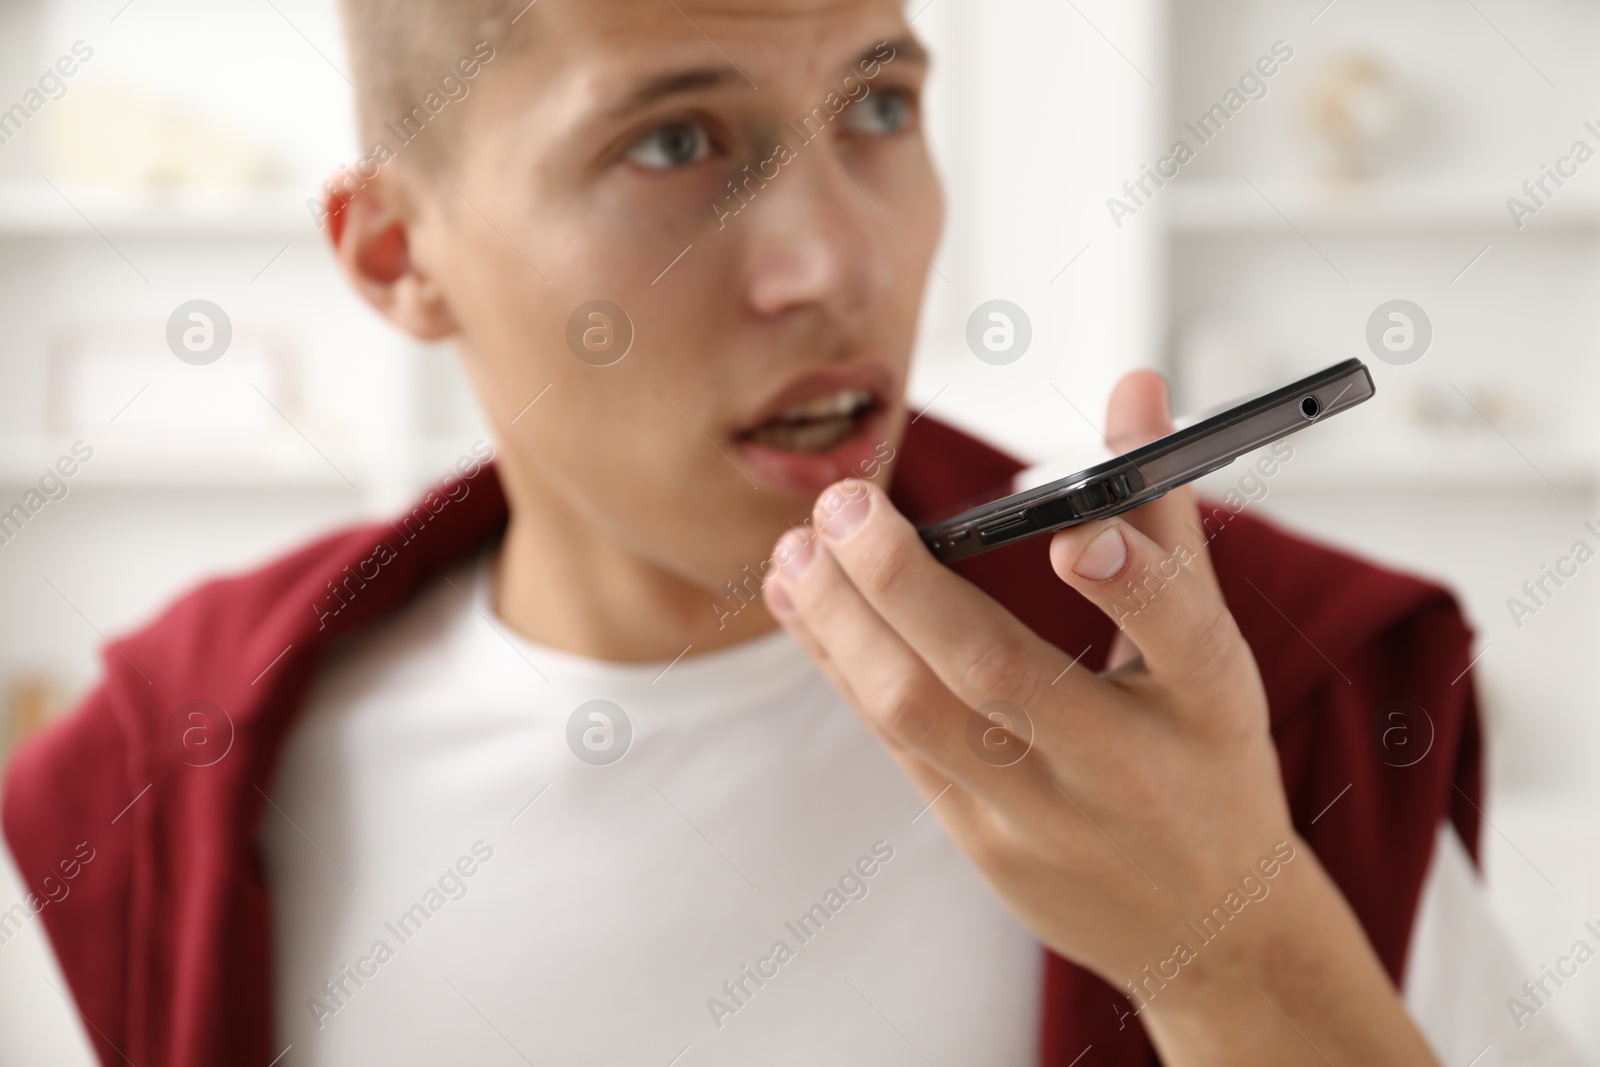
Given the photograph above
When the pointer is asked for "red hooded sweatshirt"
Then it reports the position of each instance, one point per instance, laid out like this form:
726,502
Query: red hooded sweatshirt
165,933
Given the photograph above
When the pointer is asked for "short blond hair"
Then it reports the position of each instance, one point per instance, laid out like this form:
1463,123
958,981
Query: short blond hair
403,50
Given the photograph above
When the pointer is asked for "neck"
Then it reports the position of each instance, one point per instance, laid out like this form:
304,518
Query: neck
564,584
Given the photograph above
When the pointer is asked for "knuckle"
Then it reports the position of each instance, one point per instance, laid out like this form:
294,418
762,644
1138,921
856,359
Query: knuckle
1215,644
993,852
1065,831
886,565
1008,848
906,709
999,670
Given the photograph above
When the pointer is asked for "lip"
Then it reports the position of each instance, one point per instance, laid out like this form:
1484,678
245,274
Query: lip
809,473
873,378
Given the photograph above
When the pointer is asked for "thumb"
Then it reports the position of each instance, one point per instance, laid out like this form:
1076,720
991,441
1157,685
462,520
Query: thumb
1137,414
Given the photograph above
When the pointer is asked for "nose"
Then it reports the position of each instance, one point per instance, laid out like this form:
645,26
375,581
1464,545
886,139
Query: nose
812,240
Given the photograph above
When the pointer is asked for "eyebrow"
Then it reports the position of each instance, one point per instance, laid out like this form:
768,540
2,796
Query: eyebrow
679,82
907,49
672,83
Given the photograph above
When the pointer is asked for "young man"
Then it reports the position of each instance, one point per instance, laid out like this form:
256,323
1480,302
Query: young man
532,773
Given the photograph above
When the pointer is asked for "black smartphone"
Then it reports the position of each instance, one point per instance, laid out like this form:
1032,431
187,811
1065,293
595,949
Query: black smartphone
1140,476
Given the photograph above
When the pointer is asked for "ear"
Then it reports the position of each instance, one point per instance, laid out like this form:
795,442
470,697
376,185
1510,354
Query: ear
370,240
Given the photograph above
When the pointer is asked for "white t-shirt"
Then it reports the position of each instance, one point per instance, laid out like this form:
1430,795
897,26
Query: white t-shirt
753,881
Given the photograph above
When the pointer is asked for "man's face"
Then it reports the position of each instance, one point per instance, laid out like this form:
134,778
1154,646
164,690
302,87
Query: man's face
773,318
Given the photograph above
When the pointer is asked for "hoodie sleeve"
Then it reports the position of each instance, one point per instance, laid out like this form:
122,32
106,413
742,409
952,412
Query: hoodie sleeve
1386,749
67,815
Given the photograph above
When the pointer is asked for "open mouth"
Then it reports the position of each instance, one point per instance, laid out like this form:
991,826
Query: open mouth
816,425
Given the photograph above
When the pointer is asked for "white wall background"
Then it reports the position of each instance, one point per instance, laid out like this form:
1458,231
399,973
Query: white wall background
1034,116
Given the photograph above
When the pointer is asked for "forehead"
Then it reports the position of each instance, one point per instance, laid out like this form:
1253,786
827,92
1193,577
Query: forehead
788,40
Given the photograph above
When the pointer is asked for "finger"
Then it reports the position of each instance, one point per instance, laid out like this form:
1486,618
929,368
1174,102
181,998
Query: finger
924,776
787,614
784,610
980,650
1176,618
1137,410
1137,413
958,810
896,690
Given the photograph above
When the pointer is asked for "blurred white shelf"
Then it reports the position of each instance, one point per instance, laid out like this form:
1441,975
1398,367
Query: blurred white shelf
282,462
1234,207
34,208
1413,463
275,462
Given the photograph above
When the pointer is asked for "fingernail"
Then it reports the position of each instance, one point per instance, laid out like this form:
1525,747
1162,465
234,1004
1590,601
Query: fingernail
1105,556
796,551
778,601
844,508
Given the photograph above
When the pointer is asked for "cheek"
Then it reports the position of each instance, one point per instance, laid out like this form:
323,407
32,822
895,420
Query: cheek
924,196
919,212
924,216
936,195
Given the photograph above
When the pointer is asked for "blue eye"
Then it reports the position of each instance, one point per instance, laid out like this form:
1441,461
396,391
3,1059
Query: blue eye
677,144
886,111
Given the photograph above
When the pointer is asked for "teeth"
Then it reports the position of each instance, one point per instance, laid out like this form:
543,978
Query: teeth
817,436
843,403
817,425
